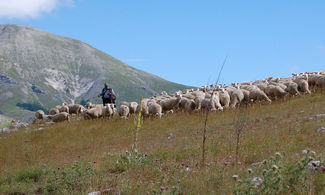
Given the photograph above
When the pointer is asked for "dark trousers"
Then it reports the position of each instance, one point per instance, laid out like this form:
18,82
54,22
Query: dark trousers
108,101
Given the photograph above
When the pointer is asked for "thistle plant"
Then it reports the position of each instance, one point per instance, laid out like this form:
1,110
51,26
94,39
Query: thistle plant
278,178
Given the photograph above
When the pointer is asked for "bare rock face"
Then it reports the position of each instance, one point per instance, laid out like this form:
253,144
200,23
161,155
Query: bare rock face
37,67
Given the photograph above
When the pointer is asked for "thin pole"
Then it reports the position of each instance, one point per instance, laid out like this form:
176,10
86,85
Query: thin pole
207,116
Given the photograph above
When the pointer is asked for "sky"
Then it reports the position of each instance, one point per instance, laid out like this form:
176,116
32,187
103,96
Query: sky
186,41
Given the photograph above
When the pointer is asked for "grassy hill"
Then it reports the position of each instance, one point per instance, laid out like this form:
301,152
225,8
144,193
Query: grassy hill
4,121
40,70
85,156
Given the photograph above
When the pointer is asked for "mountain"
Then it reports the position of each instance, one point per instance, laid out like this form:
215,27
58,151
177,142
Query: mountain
39,70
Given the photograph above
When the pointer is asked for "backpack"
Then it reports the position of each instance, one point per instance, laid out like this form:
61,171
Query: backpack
113,96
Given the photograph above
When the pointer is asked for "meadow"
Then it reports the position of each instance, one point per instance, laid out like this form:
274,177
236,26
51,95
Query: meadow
96,155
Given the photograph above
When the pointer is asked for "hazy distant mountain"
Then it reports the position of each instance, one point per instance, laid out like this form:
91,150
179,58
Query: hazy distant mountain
39,70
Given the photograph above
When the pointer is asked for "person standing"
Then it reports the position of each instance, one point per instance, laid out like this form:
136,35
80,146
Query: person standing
108,95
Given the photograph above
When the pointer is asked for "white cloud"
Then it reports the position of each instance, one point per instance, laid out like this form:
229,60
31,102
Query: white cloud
24,9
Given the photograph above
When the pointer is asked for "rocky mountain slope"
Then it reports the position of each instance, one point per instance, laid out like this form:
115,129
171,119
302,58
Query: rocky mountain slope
39,70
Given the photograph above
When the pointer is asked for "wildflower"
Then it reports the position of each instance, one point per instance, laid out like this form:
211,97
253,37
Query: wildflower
56,178
264,162
183,163
162,188
277,154
44,165
145,155
304,151
126,151
79,156
187,169
313,152
249,171
275,167
314,164
226,163
323,168
235,177
156,159
257,181
94,162
59,168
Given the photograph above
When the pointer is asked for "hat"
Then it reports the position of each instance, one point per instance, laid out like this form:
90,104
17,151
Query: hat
106,84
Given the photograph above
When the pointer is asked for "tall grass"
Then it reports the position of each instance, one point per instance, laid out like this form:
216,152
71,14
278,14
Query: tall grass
287,127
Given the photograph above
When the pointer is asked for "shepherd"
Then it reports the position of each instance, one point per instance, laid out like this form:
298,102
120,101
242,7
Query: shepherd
108,95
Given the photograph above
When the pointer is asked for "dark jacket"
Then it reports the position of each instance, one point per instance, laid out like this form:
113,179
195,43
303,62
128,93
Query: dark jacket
108,93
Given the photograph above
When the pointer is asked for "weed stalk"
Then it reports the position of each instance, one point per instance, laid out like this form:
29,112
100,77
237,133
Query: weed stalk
137,128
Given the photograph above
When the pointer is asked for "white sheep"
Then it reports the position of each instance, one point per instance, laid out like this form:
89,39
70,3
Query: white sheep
275,92
123,111
246,96
292,88
224,98
170,103
133,107
255,94
64,108
262,85
302,83
198,97
145,109
54,111
75,109
91,105
187,104
312,79
39,114
236,96
93,113
320,83
109,111
211,102
154,109
62,116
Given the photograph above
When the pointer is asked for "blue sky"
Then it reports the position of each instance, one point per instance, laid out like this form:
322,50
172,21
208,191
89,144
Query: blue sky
187,41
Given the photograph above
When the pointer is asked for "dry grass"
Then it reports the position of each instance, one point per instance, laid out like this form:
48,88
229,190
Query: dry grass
283,127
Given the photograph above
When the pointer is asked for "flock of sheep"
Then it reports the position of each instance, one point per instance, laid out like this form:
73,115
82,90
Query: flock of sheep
210,97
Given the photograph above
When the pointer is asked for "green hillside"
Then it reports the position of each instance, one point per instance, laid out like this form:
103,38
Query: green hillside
40,69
